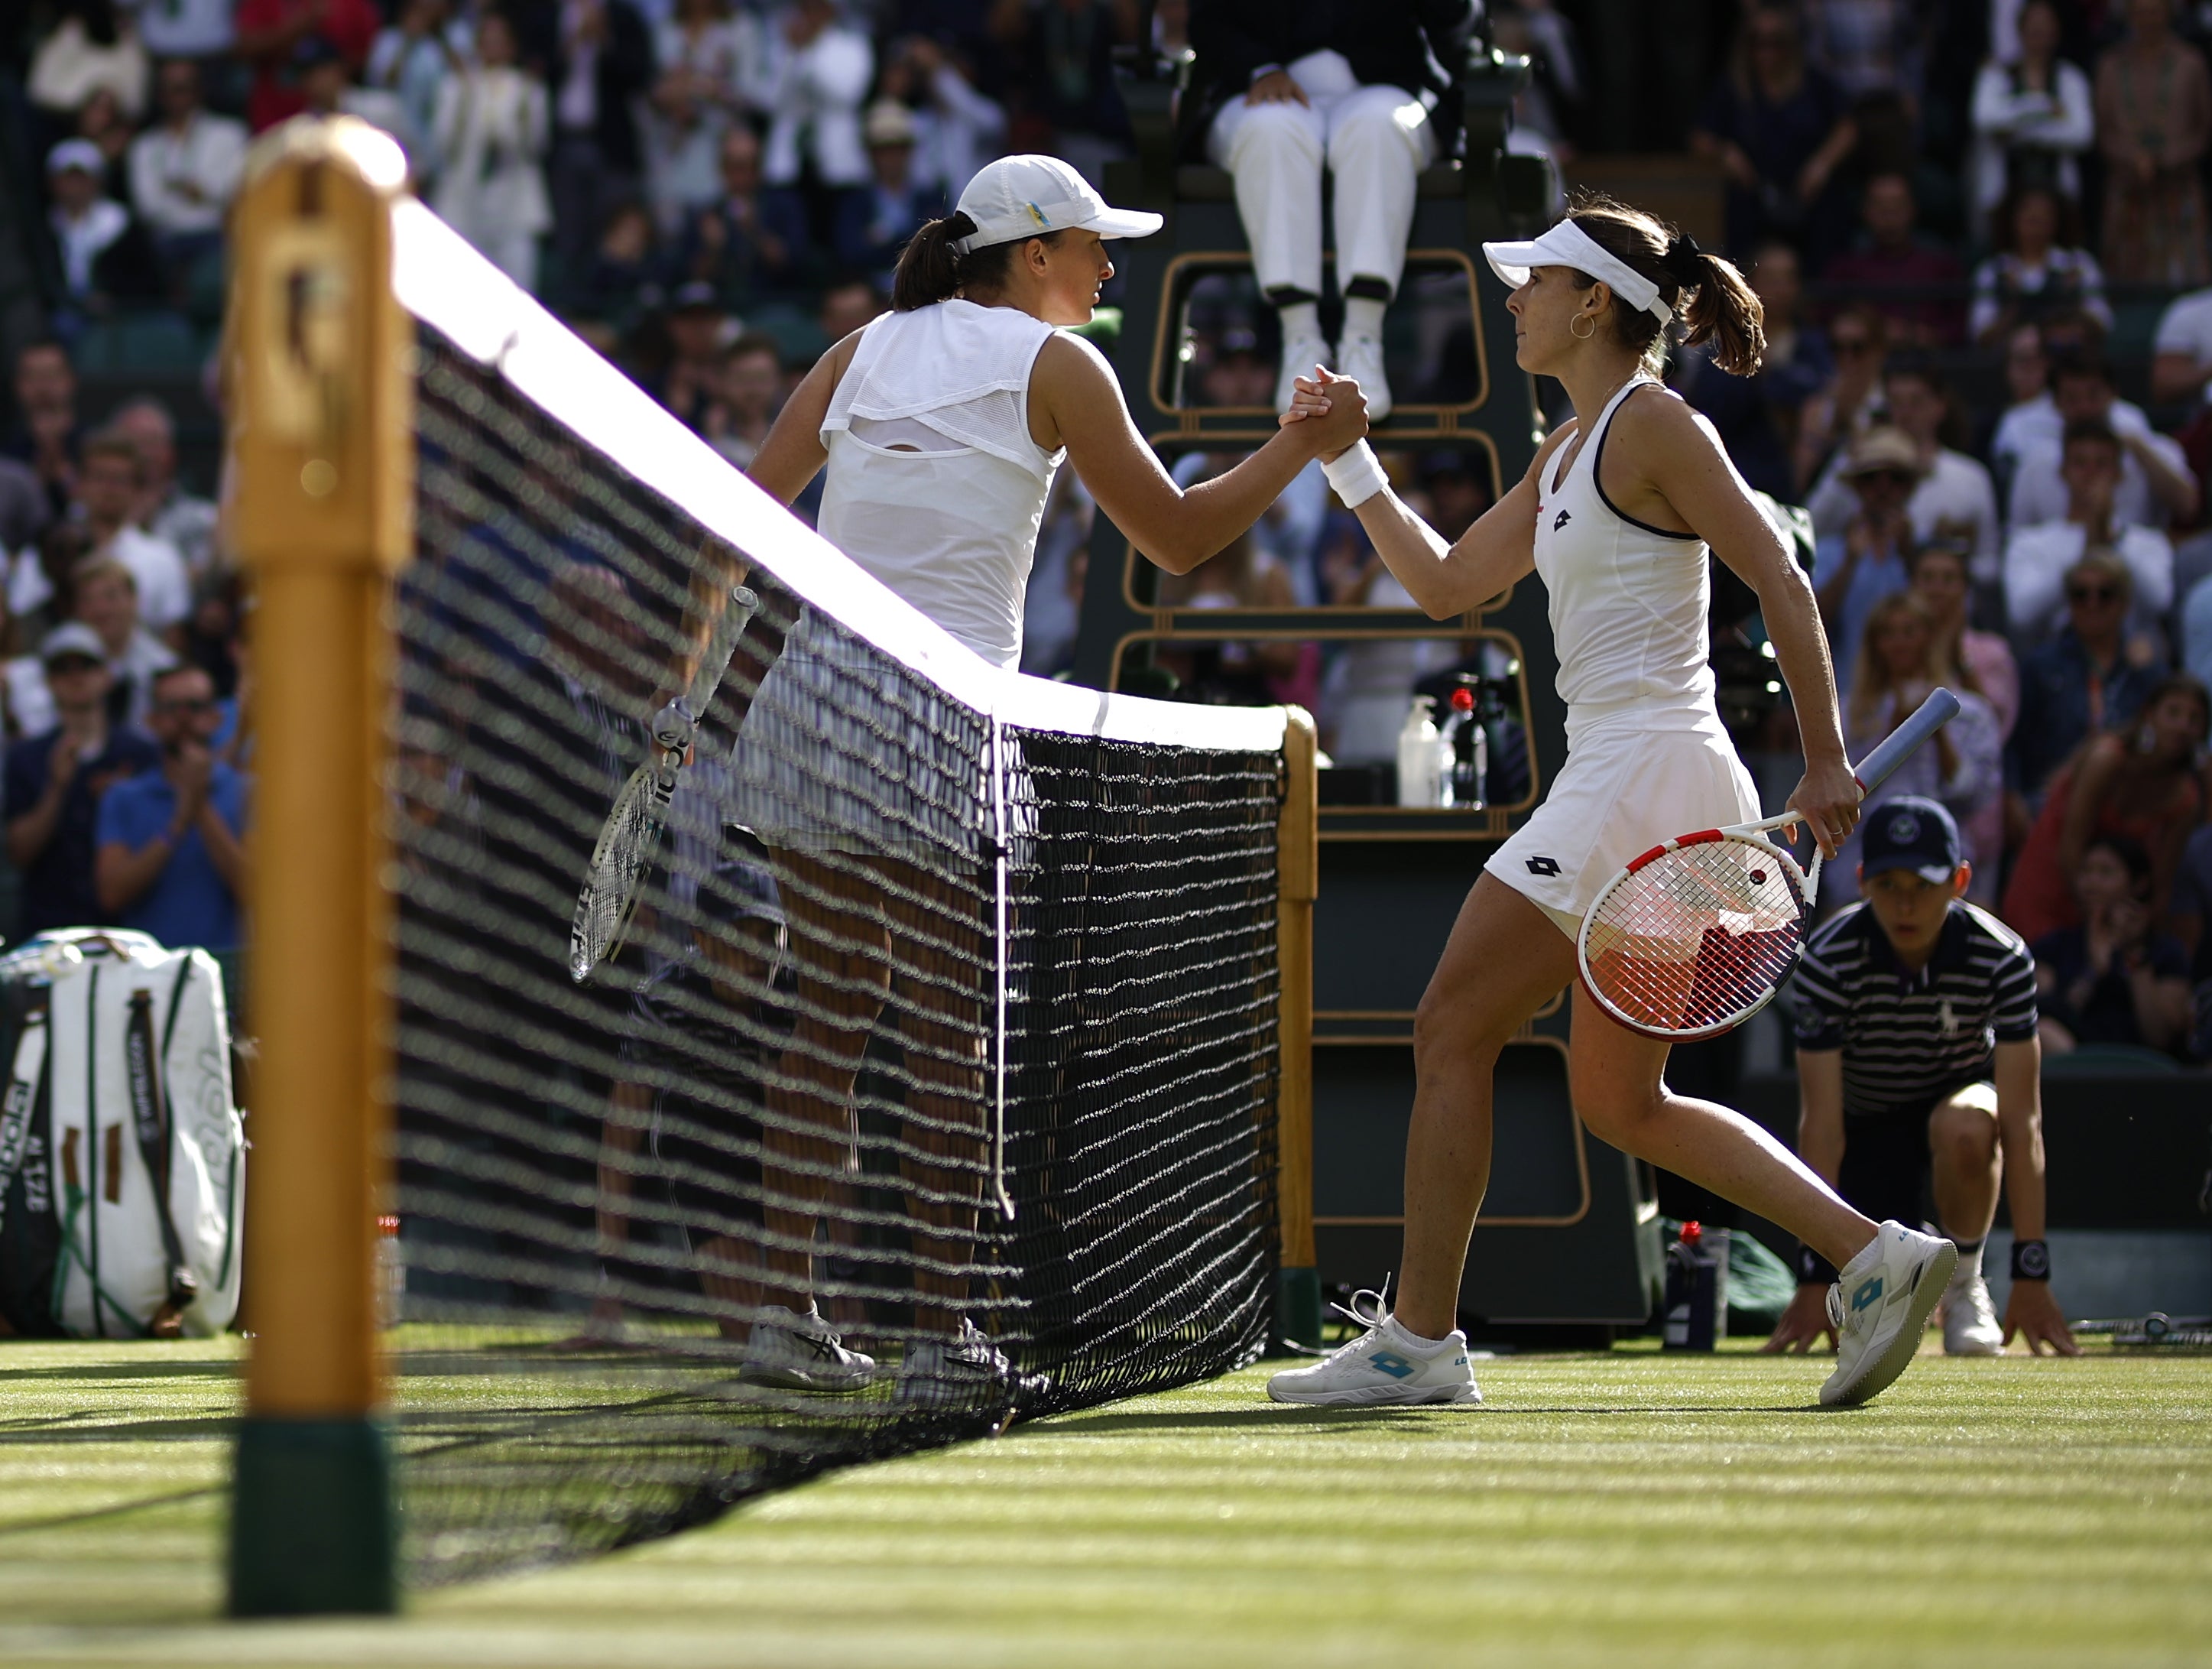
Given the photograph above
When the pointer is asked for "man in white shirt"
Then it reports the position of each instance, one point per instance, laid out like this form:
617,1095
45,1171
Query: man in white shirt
2031,419
2182,351
1954,500
109,485
185,169
2155,485
2037,557
815,76
165,510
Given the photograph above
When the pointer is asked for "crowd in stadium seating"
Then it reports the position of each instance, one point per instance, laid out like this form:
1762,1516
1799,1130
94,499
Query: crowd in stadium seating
1978,227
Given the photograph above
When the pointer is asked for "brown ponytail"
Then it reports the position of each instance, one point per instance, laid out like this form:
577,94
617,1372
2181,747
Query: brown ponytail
928,271
1721,309
1724,311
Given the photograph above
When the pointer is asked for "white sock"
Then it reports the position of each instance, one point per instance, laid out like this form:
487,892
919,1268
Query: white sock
1363,316
1415,1339
1969,1262
1301,320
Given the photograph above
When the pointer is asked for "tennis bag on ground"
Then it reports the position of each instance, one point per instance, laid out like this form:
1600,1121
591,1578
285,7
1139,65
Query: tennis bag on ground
122,1154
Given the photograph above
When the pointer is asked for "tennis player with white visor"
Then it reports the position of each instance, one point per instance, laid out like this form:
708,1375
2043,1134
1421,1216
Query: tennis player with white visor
1616,514
942,424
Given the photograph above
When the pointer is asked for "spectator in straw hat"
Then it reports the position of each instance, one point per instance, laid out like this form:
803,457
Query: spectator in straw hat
1869,559
874,222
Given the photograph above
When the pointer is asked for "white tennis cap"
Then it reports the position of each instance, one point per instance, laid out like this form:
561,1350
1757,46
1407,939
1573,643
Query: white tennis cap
1023,197
1567,245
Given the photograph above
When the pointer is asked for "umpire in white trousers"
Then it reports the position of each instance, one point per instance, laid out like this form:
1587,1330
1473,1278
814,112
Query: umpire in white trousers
1289,86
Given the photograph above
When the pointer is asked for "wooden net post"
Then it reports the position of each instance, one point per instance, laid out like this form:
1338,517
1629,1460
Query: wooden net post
321,451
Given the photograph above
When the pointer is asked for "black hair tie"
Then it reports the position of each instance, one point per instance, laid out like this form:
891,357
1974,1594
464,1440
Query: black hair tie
1685,261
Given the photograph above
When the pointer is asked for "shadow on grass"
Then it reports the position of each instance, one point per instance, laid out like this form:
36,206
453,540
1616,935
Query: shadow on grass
71,1428
113,1510
150,1367
1389,1418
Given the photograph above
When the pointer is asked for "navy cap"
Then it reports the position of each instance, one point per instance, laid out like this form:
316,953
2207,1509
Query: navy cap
1911,833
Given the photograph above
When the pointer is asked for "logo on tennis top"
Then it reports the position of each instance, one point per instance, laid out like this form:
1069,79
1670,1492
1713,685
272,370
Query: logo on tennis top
1905,828
1558,521
1543,866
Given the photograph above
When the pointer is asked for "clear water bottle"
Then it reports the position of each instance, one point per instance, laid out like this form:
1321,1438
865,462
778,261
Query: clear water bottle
1464,752
1418,756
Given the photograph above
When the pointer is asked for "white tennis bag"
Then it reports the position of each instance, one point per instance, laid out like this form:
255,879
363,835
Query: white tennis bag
122,1152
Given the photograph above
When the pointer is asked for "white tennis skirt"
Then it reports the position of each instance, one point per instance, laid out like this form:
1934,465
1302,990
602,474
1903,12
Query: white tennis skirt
1631,780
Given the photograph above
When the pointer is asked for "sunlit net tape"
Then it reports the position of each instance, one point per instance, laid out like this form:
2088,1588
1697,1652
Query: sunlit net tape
1698,936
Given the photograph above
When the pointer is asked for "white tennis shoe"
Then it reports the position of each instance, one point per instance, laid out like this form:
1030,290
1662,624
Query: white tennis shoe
802,1353
966,1371
1385,1365
1361,359
1300,355
1971,1327
1881,1304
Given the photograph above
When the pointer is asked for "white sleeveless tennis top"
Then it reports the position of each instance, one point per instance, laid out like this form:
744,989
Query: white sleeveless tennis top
1628,600
934,485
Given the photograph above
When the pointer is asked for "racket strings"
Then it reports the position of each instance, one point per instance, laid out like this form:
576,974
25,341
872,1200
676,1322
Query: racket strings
1697,937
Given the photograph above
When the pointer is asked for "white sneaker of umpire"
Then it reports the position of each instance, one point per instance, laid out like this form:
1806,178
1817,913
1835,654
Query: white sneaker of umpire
802,1353
1881,1304
1361,359
1300,355
1384,1365
969,1372
1971,1327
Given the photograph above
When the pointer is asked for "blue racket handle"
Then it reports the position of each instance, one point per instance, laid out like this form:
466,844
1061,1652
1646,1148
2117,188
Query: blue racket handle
1931,715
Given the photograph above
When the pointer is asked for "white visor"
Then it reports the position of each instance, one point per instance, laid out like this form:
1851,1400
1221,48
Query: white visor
1567,245
1025,196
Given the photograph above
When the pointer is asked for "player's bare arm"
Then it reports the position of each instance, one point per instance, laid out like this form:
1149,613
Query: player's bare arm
1444,580
1075,401
2030,1310
1664,441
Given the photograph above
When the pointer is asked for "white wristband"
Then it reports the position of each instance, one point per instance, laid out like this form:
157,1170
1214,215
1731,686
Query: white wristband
1355,475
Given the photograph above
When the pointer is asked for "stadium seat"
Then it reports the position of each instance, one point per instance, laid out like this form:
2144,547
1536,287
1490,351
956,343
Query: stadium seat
137,343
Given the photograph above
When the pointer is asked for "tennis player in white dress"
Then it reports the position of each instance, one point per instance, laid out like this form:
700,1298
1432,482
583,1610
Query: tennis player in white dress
1616,515
942,423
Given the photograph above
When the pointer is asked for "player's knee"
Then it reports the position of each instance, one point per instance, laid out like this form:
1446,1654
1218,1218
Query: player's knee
1614,1111
1451,1033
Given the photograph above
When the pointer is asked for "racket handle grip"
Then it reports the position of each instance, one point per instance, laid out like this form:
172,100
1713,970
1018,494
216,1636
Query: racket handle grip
1931,715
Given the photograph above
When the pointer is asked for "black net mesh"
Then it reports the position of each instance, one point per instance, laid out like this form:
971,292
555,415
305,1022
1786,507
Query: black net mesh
933,1086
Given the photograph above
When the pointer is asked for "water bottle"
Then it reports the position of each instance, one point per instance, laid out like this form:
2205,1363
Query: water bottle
1418,783
1691,1321
1465,752
391,1273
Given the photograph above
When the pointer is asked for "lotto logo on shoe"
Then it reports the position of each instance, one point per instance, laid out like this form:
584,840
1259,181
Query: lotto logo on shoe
1869,1293
1543,866
1390,1362
1560,521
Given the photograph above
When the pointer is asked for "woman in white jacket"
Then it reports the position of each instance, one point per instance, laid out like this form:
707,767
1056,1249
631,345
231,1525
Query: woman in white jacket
492,125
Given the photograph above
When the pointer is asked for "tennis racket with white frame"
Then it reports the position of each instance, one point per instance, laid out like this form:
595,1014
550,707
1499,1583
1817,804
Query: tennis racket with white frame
1695,936
632,835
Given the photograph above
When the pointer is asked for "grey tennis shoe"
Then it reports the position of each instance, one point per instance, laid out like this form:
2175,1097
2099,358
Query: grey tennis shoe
802,1353
1881,1304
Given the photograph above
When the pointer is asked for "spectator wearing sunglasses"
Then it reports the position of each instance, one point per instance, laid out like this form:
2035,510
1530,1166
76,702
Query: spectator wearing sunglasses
1954,499
2039,558
170,859
1850,402
1870,558
2154,485
2090,678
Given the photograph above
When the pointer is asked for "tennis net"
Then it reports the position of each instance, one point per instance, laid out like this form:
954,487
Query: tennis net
948,1007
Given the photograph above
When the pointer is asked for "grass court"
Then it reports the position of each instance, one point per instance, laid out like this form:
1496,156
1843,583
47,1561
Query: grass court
1602,1509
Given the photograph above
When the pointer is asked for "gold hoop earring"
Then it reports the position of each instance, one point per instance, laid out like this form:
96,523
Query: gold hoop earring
1583,336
